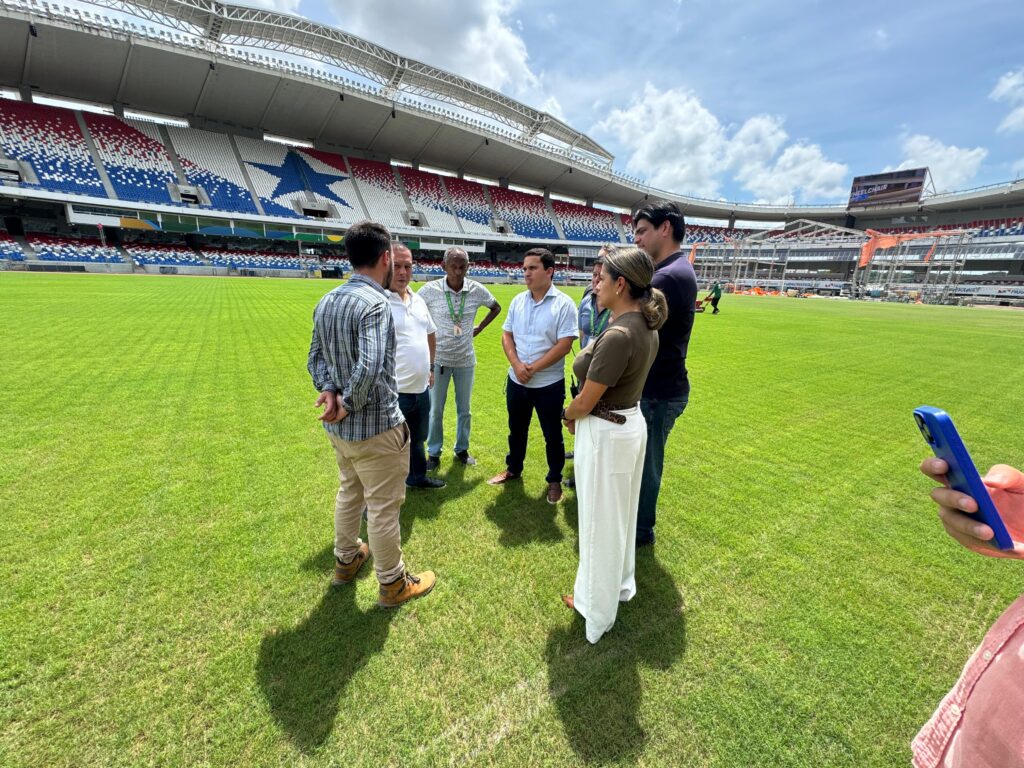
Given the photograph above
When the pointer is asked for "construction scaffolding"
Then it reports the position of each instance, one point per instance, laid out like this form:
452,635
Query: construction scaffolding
928,264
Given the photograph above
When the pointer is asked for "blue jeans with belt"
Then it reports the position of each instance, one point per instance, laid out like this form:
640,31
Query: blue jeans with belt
660,415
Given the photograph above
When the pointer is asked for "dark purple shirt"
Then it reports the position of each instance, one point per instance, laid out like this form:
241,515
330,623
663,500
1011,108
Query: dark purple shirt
675,278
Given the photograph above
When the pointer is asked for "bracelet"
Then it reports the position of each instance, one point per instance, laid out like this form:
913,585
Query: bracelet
564,417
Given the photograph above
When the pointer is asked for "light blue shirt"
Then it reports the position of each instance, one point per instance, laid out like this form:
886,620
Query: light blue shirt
536,326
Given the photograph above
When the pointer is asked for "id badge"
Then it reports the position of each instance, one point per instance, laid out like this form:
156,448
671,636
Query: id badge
457,329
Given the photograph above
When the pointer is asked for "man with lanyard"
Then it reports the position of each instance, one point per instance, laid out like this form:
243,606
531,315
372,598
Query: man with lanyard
414,364
659,228
352,364
453,304
592,320
538,333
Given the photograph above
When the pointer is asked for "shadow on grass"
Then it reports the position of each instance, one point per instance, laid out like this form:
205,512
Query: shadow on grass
596,689
523,518
303,671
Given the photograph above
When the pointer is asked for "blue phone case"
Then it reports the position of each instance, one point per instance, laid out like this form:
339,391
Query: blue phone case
937,428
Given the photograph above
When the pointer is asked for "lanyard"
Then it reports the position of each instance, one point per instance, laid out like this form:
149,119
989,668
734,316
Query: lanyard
598,322
451,307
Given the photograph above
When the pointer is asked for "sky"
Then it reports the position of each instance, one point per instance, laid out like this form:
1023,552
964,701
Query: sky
744,101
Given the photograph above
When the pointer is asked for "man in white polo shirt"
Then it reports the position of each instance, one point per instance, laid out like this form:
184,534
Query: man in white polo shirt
414,364
538,333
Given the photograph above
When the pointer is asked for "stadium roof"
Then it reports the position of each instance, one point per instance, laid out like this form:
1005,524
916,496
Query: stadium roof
251,71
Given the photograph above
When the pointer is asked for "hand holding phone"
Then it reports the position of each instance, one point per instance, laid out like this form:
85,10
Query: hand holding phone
962,478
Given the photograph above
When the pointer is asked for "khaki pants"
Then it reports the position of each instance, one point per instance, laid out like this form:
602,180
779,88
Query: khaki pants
372,473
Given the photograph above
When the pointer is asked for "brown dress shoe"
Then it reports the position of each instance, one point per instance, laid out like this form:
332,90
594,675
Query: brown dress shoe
406,587
503,477
554,493
345,572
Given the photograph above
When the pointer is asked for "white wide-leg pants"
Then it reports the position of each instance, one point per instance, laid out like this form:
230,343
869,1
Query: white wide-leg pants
609,465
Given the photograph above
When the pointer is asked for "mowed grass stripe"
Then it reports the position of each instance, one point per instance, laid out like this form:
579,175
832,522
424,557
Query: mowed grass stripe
167,494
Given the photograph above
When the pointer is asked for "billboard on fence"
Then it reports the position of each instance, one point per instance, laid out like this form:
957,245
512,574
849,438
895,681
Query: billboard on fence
888,188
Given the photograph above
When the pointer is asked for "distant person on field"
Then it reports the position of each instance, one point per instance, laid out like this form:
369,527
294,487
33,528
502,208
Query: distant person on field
715,293
352,363
658,229
611,437
539,331
980,722
592,318
414,364
453,303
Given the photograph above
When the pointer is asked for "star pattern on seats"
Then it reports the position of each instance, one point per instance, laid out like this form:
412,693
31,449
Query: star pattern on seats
302,178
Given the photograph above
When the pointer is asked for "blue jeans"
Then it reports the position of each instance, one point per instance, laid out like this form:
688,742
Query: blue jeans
416,409
463,377
660,416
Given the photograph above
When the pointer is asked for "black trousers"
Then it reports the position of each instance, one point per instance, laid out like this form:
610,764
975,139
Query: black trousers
416,409
548,402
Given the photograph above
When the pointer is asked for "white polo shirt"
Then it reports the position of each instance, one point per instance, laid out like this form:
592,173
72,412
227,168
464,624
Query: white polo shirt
412,354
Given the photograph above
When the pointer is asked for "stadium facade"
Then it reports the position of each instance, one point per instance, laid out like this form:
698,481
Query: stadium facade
178,173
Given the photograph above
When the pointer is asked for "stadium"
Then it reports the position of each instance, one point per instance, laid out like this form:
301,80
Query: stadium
167,491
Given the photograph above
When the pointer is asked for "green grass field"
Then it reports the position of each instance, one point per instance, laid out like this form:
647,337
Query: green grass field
166,524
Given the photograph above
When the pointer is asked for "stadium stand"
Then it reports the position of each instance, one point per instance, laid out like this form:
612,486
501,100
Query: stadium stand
380,192
588,224
470,204
627,226
135,159
276,174
1006,227
49,140
328,178
427,195
255,260
527,215
164,256
9,248
84,250
208,161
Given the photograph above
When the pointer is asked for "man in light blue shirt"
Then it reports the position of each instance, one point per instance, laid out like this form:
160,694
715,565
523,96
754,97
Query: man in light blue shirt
538,333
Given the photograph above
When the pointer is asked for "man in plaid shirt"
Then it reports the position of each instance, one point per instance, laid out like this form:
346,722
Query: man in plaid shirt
352,363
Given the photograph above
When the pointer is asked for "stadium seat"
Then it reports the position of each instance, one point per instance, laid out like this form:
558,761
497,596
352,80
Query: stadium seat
135,158
380,192
428,196
208,161
49,140
470,205
588,224
9,249
164,256
527,215
65,249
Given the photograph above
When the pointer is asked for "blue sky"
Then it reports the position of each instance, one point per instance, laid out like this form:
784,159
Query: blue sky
747,101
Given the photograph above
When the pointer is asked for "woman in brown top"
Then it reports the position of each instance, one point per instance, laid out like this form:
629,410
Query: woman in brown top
611,436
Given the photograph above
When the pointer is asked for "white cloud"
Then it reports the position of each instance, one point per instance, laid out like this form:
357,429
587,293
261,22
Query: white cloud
1018,169
474,38
677,144
1010,90
951,167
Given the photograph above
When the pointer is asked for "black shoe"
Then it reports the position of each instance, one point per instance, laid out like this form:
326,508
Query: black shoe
570,454
366,513
646,541
570,482
465,458
427,483
433,462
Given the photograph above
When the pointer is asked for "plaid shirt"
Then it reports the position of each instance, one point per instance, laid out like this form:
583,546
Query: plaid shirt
353,353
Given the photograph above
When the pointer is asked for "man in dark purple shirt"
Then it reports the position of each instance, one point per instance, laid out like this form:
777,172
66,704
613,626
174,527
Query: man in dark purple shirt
659,228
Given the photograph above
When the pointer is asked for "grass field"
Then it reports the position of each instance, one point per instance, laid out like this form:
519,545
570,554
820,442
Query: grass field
166,527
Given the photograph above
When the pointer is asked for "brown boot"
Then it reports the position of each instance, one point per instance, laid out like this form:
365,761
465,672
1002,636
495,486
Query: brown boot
345,572
406,587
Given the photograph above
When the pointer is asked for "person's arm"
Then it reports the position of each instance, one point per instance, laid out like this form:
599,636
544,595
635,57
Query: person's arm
553,355
432,346
1006,487
320,372
373,340
493,313
585,401
508,344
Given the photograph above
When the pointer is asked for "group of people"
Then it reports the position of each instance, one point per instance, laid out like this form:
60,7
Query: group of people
383,357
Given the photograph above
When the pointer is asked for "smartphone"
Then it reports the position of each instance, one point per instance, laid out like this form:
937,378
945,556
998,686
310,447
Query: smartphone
937,428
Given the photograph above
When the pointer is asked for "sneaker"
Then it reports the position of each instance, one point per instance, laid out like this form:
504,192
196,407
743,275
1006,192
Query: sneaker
427,483
465,458
345,572
503,477
433,462
405,588
554,493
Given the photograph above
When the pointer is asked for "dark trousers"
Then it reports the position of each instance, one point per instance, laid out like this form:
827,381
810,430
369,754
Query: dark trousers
416,409
660,416
521,402
714,302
